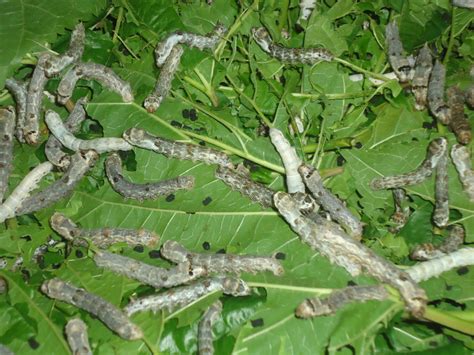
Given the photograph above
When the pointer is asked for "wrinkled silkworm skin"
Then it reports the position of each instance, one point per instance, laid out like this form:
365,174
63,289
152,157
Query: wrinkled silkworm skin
306,9
19,91
464,3
436,150
67,139
4,350
171,149
22,191
53,146
436,102
290,160
97,72
441,211
462,161
428,251
421,77
106,312
346,252
184,295
402,210
316,306
101,237
330,203
400,64
221,263
459,122
7,127
163,84
435,267
77,337
205,339
148,274
140,192
81,163
289,55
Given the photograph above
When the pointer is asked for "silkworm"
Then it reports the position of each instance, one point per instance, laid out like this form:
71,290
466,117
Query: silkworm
421,77
436,102
67,139
290,55
97,72
402,211
205,346
148,274
171,149
209,41
306,9
317,306
428,251
330,203
441,211
462,161
464,3
7,126
350,254
221,263
458,123
184,295
106,312
100,237
81,163
77,338
436,150
399,62
469,96
163,84
19,91
22,191
140,192
4,350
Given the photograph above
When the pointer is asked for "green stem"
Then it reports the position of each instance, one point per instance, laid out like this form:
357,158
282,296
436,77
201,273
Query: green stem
333,144
341,96
464,315
451,37
361,70
283,14
449,321
150,346
209,90
118,23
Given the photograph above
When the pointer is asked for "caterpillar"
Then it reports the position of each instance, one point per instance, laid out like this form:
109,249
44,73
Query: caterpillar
402,211
348,253
290,55
67,139
7,126
4,350
436,102
441,211
421,77
436,150
19,91
401,65
463,3
428,251
306,9
171,149
106,312
462,161
458,122
469,96
97,72
205,346
100,237
77,338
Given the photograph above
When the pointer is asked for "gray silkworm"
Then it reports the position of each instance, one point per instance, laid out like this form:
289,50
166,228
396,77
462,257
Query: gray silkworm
221,263
77,337
402,210
330,203
469,96
451,243
462,161
205,339
459,123
163,84
101,237
289,55
154,276
140,192
184,295
399,62
81,163
306,9
19,91
4,350
441,211
7,127
436,150
350,254
171,149
209,41
67,139
469,4
97,72
421,77
436,102
106,312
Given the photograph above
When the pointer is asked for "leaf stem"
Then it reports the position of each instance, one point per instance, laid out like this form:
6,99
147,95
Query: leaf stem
341,96
448,320
451,37
333,144
118,23
209,90
361,70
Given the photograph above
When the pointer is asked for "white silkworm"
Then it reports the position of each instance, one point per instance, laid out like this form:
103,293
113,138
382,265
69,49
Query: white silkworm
459,123
402,211
4,350
290,55
436,102
67,139
205,346
350,254
97,72
19,91
306,9
441,211
451,243
77,338
163,84
7,126
106,312
171,149
421,77
399,62
462,161
469,4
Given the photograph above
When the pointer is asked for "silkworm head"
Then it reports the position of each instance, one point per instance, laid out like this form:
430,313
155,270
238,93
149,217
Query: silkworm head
262,37
134,135
305,171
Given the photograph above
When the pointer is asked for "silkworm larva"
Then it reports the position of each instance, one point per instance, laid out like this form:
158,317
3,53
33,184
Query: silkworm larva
399,62
93,71
462,161
469,96
348,253
290,55
306,9
458,123
428,251
464,3
419,84
77,337
436,102
171,149
106,312
441,211
163,84
19,91
402,210
221,263
101,237
436,150
184,295
7,126
4,350
67,139
205,338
